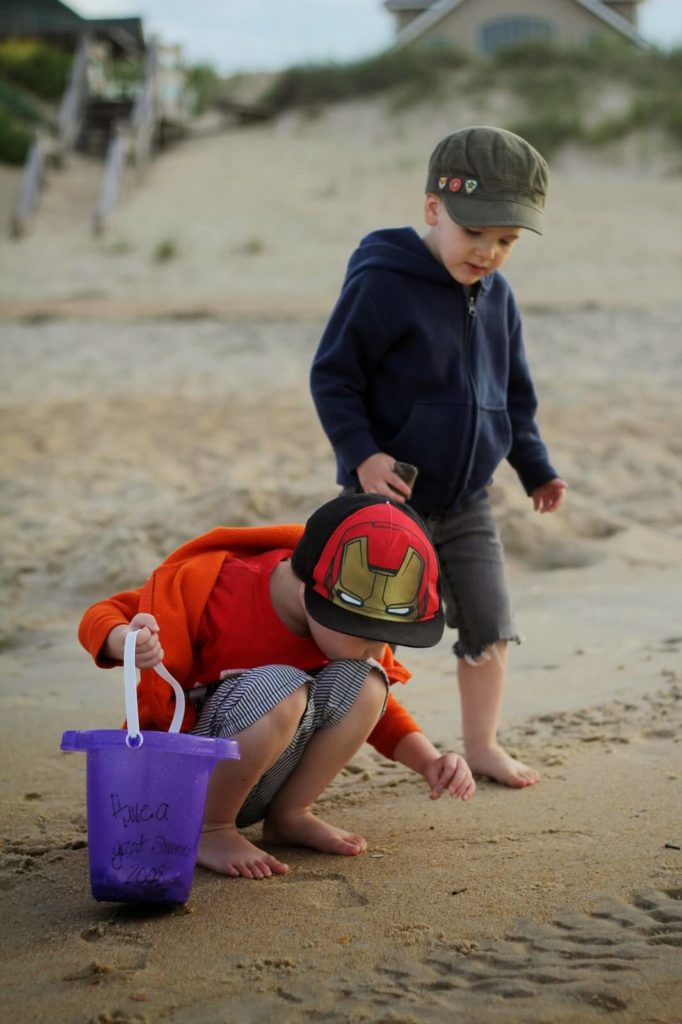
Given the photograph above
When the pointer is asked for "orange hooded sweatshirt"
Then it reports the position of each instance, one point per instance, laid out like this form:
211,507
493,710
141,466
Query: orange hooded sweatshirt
176,594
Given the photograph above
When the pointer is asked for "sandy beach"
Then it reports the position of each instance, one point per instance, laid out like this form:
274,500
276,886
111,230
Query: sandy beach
145,400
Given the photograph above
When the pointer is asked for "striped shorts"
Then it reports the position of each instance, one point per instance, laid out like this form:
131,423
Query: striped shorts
242,700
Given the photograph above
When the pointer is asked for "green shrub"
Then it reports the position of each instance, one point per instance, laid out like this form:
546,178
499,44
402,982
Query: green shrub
557,86
610,129
548,132
16,104
601,56
205,83
418,69
660,110
18,117
42,69
14,140
166,250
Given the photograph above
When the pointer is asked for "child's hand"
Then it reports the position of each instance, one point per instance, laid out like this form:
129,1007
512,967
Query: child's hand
450,772
550,496
377,476
148,649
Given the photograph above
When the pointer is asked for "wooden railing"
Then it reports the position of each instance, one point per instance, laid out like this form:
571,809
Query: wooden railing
131,142
45,149
70,113
31,185
144,116
117,155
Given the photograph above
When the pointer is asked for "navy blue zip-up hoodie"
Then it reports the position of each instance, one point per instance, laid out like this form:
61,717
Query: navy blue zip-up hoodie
409,364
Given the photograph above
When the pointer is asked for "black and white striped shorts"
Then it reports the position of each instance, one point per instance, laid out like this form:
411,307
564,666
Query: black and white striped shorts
242,700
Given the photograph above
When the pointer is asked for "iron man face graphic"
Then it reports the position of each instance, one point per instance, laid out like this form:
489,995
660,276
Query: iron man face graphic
378,567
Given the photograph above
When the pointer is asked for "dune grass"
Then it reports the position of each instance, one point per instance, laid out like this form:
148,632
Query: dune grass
556,91
312,85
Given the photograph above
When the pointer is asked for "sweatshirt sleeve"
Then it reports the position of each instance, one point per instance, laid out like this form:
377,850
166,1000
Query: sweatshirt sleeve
351,345
528,454
100,619
395,723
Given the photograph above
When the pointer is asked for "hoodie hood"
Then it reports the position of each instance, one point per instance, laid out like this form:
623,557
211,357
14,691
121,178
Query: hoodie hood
401,250
236,541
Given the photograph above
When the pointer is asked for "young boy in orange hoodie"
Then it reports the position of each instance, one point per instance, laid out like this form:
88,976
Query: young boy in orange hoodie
294,624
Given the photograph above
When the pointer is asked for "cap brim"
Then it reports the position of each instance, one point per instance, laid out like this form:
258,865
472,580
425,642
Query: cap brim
425,633
492,213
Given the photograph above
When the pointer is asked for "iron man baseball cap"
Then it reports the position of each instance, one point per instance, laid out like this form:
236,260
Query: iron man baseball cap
370,570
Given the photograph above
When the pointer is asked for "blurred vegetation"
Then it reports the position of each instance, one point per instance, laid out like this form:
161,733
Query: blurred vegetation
415,72
165,250
118,80
31,73
205,83
14,139
19,115
560,92
556,92
41,69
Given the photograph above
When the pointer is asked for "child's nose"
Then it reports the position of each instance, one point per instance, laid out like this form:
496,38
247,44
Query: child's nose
485,249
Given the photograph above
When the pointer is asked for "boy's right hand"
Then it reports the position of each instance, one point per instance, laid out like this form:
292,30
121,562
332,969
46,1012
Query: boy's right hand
148,649
377,476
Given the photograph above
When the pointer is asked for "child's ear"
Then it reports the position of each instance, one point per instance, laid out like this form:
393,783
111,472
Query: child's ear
432,204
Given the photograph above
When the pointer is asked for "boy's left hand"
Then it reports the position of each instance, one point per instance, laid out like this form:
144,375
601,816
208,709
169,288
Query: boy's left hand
450,772
550,496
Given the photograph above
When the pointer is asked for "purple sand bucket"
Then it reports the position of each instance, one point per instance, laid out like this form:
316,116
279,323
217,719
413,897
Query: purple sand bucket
146,794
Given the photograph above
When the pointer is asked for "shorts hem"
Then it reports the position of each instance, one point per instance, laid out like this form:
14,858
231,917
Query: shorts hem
461,651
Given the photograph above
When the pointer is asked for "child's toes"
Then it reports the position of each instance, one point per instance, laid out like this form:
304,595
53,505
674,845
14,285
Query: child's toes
352,843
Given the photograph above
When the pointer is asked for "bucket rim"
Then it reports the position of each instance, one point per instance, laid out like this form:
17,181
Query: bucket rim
215,748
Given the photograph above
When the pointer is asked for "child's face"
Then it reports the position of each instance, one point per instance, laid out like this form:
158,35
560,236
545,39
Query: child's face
337,646
468,254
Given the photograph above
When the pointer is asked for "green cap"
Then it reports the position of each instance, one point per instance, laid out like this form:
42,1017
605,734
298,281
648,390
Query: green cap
489,177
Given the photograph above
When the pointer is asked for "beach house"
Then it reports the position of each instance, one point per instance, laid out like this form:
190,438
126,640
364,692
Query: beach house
486,26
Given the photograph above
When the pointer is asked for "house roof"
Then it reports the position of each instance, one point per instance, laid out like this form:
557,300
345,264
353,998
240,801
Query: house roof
52,18
407,5
19,18
435,12
128,33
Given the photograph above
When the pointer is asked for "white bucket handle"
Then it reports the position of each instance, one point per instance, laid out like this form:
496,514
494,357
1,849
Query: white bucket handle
135,737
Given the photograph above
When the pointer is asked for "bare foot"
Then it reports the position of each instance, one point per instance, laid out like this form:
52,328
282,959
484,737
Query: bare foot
223,849
497,764
302,828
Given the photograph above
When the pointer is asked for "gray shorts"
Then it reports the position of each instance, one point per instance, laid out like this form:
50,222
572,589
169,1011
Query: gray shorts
473,580
242,700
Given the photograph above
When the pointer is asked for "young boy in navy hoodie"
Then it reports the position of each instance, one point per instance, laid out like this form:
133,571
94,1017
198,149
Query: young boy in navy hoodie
423,362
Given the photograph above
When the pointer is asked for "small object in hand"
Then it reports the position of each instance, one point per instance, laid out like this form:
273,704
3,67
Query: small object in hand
407,472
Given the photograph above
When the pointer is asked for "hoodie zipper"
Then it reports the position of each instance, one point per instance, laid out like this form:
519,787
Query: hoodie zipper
473,426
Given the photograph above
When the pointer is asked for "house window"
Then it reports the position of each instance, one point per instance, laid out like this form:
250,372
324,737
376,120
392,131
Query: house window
503,32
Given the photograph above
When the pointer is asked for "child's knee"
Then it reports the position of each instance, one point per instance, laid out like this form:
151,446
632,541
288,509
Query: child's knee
282,718
291,708
374,689
376,680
